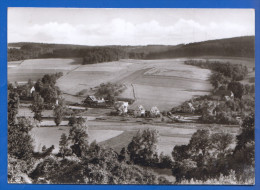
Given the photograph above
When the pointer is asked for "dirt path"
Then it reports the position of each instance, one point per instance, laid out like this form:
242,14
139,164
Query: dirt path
133,91
130,78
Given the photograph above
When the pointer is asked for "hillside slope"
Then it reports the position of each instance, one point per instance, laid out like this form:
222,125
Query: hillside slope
231,47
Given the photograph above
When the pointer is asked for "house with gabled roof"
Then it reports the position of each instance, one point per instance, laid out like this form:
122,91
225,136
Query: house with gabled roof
93,101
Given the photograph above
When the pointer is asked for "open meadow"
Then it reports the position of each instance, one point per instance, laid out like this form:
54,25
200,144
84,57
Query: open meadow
49,136
117,135
34,69
161,83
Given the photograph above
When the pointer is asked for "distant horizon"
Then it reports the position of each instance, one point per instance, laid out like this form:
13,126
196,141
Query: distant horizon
131,26
130,45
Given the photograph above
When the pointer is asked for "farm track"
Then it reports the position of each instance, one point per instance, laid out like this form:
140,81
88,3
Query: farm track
70,71
133,91
130,78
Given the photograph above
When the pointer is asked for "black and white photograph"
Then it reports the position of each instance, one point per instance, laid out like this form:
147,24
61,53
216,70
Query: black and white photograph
151,96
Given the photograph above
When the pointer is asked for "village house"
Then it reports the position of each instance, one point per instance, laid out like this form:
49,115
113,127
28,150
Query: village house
93,101
121,107
140,112
154,112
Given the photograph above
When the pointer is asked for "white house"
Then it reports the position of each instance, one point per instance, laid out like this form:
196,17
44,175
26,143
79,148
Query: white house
155,112
121,107
140,111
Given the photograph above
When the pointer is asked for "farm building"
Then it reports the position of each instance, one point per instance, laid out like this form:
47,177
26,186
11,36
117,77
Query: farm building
93,101
223,95
140,112
154,112
121,107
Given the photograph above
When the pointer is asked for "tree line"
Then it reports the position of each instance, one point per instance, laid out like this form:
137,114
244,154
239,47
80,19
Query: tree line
225,77
232,47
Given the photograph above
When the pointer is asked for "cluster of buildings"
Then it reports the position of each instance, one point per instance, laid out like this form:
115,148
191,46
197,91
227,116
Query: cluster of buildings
121,107
139,111
206,106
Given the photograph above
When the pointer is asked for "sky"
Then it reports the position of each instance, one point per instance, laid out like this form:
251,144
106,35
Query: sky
87,26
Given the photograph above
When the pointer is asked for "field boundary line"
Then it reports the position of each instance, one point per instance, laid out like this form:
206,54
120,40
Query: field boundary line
133,91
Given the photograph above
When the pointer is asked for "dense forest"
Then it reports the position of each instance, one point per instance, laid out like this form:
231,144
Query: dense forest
233,47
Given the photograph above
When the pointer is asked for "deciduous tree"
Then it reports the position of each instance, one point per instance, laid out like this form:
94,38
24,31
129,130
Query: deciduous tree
37,106
64,146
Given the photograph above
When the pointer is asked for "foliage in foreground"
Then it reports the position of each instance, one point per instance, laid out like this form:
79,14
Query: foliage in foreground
208,156
230,179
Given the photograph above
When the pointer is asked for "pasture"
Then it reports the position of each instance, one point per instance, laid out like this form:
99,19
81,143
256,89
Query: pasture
118,134
164,83
49,136
34,69
169,134
161,83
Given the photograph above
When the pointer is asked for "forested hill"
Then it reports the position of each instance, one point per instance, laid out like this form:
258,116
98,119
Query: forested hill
232,47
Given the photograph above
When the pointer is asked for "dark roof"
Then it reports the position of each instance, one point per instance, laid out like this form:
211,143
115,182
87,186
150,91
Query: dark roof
93,98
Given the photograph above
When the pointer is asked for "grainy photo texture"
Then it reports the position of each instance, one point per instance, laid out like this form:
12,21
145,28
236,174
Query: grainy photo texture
131,96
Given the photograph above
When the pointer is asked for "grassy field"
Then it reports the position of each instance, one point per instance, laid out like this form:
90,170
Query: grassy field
165,83
118,134
170,134
34,69
49,136
161,83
